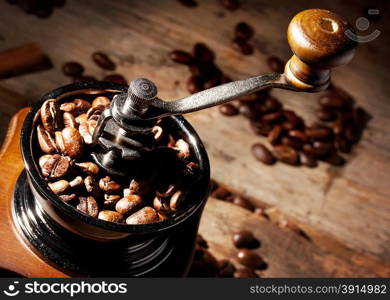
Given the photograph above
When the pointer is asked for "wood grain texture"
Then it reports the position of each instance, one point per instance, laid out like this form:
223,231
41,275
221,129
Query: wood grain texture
350,204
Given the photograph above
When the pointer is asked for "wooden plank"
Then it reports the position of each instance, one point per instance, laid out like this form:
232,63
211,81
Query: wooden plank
286,253
350,203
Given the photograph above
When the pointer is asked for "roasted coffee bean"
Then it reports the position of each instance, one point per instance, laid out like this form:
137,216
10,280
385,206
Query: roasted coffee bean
167,191
194,84
46,142
230,4
322,149
261,128
272,117
58,187
271,104
242,46
333,100
275,134
286,154
111,200
145,215
81,118
103,61
117,78
126,192
298,135
82,105
334,159
76,183
101,102
342,144
245,239
139,187
338,126
84,78
292,120
261,153
88,167
181,57
203,53
250,259
318,132
226,268
275,64
88,205
43,159
69,120
161,205
189,3
244,272
228,109
325,114
91,186
55,166
176,200
86,130
183,149
248,110
110,216
68,107
129,205
70,142
307,160
109,186
68,198
292,142
243,31
72,69
244,203
50,116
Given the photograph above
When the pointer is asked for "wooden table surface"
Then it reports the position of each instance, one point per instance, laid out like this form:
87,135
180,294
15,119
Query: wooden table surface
344,210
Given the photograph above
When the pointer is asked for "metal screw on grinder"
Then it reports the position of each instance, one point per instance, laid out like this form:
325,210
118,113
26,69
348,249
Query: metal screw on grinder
140,95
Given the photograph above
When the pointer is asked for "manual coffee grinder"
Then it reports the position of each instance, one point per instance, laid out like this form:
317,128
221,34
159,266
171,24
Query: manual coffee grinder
44,237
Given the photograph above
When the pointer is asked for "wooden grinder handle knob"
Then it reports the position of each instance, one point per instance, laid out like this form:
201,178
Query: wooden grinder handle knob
317,38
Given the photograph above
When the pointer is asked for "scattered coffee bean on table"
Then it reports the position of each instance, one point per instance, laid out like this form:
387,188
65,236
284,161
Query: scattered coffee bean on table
228,109
103,61
245,239
72,69
262,154
251,259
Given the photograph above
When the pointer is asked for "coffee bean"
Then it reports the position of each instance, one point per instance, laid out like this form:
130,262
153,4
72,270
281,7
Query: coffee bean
58,187
103,61
203,53
226,268
244,31
286,154
244,272
55,166
322,149
275,134
86,130
318,132
228,109
183,149
333,100
45,140
248,110
245,239
68,198
129,205
82,106
261,128
110,216
76,183
72,69
88,205
292,142
298,135
111,200
292,121
189,3
116,78
231,5
88,167
68,107
272,117
109,186
275,64
261,153
84,78
250,259
325,114
70,142
161,205
145,215
138,187
91,186
307,160
50,116
176,199
244,203
194,84
242,46
181,57
69,120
